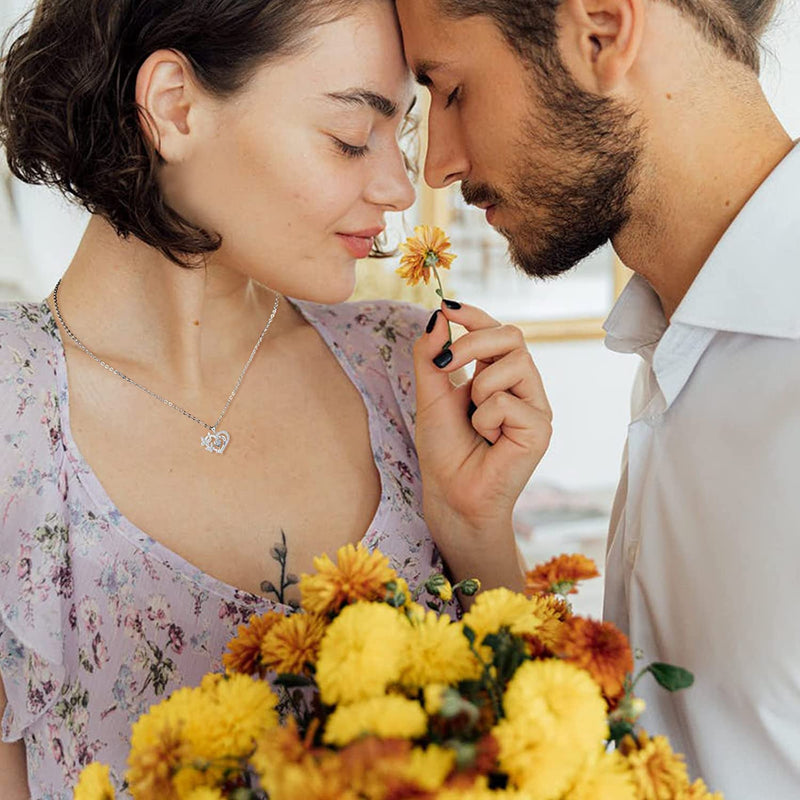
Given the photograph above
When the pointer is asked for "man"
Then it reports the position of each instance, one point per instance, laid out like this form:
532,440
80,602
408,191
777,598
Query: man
573,122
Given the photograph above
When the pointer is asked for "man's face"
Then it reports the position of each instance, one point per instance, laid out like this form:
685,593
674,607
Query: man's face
553,165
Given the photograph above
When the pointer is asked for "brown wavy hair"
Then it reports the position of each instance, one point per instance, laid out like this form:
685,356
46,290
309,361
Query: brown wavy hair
530,25
68,113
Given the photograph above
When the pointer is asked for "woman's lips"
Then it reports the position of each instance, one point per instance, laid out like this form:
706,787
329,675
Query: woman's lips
360,244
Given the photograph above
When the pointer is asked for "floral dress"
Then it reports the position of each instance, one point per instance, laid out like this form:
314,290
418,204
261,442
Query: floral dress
97,620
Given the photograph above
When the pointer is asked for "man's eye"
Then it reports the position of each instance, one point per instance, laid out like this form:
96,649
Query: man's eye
351,150
452,97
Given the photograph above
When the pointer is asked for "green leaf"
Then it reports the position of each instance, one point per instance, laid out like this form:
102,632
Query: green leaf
439,292
619,729
470,634
673,679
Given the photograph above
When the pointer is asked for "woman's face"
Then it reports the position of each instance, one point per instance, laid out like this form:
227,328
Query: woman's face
298,169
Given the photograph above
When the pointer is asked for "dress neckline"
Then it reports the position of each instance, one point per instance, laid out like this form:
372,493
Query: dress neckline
154,549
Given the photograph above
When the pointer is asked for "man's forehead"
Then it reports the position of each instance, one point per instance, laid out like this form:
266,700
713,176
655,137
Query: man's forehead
429,35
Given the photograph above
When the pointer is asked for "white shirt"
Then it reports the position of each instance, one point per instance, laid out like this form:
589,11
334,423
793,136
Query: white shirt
703,567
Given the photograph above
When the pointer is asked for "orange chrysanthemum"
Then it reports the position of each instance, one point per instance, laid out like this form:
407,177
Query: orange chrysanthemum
425,250
601,649
357,575
293,644
659,774
245,650
560,574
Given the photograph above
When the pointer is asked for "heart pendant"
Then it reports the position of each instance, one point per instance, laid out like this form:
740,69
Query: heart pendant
216,442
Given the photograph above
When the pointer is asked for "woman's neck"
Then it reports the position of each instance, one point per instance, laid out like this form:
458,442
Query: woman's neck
137,310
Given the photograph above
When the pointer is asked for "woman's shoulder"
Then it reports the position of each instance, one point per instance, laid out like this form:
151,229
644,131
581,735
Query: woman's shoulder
27,330
28,382
375,341
384,329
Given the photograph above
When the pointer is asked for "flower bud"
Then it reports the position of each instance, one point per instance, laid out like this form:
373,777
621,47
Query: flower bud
469,587
440,587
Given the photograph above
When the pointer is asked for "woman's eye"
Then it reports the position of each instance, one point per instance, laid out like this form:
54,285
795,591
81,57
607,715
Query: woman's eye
452,97
351,150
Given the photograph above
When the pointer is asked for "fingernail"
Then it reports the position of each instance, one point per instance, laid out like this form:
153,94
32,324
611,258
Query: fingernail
443,359
432,321
452,305
472,409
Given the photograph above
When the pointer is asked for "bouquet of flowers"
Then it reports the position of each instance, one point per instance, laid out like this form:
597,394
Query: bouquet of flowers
391,698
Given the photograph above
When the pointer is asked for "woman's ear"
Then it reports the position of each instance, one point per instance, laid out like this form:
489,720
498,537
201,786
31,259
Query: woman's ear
166,94
600,41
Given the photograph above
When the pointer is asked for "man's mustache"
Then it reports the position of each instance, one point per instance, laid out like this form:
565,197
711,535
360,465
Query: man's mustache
479,194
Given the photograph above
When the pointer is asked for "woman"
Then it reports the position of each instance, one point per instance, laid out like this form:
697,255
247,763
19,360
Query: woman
179,436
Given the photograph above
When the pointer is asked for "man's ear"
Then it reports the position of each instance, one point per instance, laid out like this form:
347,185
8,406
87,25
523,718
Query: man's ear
600,40
166,95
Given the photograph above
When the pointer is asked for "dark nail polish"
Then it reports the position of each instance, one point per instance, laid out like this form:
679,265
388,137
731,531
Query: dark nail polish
472,409
432,321
452,305
443,359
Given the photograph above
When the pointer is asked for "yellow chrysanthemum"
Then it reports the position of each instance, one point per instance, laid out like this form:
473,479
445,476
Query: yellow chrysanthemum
357,575
426,249
659,774
480,791
433,697
94,783
293,644
205,793
429,768
438,652
277,750
607,778
554,611
501,608
699,791
390,717
362,652
187,741
555,721
159,747
245,648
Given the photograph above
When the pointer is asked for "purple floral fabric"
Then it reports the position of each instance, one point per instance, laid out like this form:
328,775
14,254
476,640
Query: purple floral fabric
97,620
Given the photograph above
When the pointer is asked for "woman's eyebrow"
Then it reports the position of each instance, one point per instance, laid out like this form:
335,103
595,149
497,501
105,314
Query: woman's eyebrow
365,97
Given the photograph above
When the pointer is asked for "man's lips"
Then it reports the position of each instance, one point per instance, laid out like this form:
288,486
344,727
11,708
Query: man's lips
489,208
360,243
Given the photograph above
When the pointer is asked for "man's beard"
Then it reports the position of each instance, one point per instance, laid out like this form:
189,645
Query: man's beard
575,174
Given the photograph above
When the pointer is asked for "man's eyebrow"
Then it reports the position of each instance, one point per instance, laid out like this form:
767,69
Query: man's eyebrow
364,97
423,69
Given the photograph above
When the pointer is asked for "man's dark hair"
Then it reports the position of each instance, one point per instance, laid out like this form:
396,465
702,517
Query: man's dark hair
530,25
68,114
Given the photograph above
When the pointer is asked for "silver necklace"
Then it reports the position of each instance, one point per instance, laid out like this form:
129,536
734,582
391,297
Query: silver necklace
214,441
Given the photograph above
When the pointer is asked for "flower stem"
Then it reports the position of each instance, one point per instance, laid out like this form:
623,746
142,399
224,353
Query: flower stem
440,292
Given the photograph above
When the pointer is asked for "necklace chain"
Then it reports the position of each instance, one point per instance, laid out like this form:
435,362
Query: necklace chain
213,441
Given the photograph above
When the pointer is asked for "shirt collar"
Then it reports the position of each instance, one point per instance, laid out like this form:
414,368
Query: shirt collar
749,284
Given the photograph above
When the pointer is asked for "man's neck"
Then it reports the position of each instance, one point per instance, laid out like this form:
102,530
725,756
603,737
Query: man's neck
708,147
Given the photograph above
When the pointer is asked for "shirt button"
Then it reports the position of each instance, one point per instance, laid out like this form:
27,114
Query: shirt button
630,553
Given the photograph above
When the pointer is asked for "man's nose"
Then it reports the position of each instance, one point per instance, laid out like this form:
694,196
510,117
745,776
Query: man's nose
446,160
